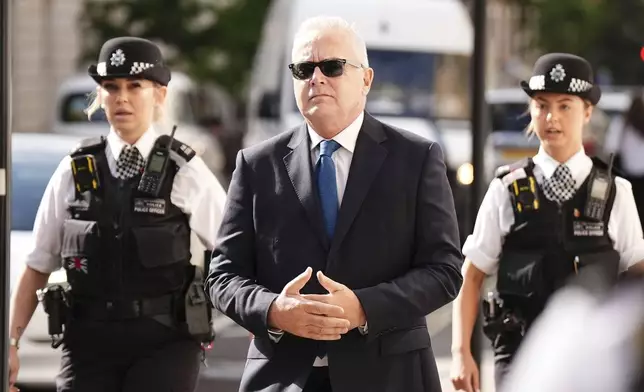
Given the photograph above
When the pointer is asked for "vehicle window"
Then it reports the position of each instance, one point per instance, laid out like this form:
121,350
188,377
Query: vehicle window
73,109
199,105
29,178
419,84
185,111
509,117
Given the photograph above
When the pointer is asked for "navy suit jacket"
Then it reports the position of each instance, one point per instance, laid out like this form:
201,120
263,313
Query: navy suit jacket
396,245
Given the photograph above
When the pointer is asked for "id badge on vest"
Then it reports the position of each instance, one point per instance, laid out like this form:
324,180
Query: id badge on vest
150,206
587,229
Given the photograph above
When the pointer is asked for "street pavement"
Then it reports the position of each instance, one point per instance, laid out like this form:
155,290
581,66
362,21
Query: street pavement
226,359
225,362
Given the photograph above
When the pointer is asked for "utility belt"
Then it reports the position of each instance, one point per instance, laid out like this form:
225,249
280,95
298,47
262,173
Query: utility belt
89,309
190,306
499,318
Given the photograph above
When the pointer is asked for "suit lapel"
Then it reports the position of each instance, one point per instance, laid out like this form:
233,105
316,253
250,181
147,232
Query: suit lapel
368,156
299,167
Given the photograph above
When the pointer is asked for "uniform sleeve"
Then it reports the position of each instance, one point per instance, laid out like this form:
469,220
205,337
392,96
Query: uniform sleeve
198,193
483,246
48,224
624,226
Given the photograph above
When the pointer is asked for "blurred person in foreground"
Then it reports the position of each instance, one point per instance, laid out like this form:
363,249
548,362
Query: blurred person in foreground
625,139
589,339
129,319
367,207
543,220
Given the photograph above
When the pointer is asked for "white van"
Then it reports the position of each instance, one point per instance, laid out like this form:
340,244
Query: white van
186,106
420,51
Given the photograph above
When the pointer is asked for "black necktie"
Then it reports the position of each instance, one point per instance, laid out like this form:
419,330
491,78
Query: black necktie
561,186
129,163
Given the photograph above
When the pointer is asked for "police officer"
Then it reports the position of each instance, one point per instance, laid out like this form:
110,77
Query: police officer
117,216
542,220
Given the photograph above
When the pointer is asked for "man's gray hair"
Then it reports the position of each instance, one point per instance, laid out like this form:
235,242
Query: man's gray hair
324,24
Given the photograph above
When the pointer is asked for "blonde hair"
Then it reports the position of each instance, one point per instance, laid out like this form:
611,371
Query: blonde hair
95,104
323,24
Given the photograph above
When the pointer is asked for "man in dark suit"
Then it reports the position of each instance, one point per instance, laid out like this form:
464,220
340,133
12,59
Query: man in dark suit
368,207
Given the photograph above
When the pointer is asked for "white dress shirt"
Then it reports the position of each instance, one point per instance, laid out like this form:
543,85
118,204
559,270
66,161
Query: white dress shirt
342,156
195,191
496,217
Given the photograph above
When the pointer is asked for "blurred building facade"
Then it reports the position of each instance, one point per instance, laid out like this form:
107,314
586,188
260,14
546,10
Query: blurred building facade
509,53
46,45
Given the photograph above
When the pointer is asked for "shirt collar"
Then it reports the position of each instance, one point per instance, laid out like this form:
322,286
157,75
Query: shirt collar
346,138
144,144
579,164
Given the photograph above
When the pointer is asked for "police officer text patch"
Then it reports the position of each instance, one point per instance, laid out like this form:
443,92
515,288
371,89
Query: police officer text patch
149,206
588,229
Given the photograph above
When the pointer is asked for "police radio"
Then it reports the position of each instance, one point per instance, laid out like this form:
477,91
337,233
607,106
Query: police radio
156,167
599,189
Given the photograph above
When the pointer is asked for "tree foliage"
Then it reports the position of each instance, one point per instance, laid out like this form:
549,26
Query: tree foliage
211,40
609,33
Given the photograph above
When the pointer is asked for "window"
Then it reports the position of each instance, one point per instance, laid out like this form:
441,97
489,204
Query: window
419,84
509,117
73,109
201,107
29,178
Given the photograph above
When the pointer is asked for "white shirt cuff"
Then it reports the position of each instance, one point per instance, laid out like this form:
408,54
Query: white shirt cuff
364,329
275,334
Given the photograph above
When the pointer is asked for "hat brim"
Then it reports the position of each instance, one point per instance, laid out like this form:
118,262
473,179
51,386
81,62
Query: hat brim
160,75
593,95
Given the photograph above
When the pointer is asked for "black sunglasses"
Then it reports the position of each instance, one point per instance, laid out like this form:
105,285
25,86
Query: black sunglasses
331,68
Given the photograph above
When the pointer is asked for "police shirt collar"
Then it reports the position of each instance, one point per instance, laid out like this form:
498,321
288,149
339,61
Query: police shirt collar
144,144
578,164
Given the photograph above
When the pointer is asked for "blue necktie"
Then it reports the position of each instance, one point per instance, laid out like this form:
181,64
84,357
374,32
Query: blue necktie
328,190
327,187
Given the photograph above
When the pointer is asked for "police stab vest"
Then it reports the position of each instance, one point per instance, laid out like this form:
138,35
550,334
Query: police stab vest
549,243
120,243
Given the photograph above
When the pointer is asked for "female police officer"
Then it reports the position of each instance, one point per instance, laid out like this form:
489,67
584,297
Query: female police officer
543,219
124,242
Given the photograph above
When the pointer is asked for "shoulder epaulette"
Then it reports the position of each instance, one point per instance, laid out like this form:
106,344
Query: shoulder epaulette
89,146
604,166
507,169
180,152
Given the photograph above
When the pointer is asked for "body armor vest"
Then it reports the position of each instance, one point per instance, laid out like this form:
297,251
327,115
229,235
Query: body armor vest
121,244
549,243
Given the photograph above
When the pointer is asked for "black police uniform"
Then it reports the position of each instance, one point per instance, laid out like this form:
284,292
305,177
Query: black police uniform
127,259
543,250
549,242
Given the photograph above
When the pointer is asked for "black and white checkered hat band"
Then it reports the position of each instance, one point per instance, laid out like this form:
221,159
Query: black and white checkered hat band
538,82
137,68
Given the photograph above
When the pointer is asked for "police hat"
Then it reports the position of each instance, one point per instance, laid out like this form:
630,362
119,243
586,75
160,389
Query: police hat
130,57
563,73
